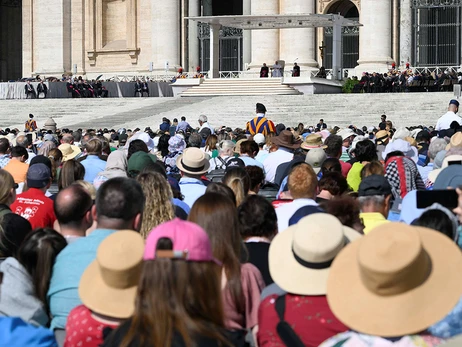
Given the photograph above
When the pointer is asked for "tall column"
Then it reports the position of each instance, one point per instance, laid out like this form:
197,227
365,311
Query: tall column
78,35
51,26
265,43
166,34
247,34
193,36
298,44
405,36
214,50
337,49
375,36
27,38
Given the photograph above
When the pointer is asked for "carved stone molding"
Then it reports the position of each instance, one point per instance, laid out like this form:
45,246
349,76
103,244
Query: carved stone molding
204,31
436,3
323,5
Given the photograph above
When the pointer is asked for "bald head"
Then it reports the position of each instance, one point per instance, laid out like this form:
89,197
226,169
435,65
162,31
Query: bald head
67,138
22,141
72,207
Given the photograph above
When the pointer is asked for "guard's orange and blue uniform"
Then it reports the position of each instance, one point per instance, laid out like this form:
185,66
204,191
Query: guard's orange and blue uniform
260,125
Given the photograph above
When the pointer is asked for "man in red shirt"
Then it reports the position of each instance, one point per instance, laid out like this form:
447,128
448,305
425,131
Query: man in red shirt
33,204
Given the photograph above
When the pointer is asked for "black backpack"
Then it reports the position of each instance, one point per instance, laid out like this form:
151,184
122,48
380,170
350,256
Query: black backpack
218,173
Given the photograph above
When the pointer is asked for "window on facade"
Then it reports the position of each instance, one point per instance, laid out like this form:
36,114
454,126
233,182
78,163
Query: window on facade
436,32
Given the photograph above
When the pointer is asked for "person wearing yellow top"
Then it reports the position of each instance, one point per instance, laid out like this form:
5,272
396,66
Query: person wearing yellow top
374,196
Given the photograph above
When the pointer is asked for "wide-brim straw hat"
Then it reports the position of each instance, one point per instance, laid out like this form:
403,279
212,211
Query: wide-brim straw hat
193,161
313,141
109,284
69,151
286,139
396,281
456,141
300,256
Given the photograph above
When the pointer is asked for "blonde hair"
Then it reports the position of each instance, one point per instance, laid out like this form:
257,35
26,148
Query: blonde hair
55,156
6,184
159,207
88,187
239,181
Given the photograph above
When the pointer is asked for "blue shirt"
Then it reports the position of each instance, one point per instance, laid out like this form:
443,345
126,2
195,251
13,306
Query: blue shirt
183,125
93,165
69,266
248,161
14,332
192,189
4,159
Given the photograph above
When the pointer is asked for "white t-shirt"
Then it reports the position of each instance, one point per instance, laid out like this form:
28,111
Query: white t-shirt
444,122
273,160
286,211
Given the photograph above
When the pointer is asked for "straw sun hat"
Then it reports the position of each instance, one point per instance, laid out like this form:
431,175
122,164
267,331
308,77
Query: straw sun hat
396,281
109,284
193,161
300,256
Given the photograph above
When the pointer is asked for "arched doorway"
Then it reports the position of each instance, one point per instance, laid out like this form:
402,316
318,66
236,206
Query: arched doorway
231,42
350,35
10,40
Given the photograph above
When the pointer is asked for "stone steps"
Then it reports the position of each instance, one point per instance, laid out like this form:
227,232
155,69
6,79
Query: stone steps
240,87
404,109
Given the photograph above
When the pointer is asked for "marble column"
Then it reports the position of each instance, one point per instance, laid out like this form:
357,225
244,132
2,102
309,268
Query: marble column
375,36
405,36
193,36
265,43
247,35
166,35
298,44
78,35
214,50
51,41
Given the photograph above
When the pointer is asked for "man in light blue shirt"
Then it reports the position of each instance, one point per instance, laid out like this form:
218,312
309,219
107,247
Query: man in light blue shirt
119,205
183,125
193,164
92,163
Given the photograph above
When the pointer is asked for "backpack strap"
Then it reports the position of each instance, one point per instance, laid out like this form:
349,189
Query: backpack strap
285,331
222,162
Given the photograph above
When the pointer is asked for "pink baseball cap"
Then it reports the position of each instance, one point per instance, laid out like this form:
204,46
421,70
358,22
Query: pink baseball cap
190,242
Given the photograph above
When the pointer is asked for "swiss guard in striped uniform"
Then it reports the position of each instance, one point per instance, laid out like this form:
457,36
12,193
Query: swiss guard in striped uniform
260,124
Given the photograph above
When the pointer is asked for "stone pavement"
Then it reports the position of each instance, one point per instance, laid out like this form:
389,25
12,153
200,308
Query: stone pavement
403,109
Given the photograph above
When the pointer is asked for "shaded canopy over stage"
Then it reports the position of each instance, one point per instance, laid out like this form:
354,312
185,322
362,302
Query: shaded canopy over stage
285,21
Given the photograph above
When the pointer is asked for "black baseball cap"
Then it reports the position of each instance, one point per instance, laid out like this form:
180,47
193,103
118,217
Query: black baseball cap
374,185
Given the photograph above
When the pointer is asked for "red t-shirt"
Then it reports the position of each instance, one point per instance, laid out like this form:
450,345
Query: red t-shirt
35,207
309,316
83,330
345,168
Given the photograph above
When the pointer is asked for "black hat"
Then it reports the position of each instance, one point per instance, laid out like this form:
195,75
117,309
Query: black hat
31,115
261,108
374,185
234,162
454,102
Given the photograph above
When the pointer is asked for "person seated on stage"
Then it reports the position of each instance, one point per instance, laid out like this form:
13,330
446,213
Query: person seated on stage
296,70
144,88
89,89
264,71
81,89
71,88
101,91
138,88
277,69
42,89
30,91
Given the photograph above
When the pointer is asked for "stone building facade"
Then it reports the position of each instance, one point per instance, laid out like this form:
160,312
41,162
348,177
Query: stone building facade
128,37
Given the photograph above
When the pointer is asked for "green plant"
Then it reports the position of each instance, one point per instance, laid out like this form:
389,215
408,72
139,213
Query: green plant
349,85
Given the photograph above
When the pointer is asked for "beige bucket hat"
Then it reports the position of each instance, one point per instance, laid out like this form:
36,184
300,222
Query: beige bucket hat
398,280
109,284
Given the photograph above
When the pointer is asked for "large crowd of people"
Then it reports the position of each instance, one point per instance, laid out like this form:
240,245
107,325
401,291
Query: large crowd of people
189,234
